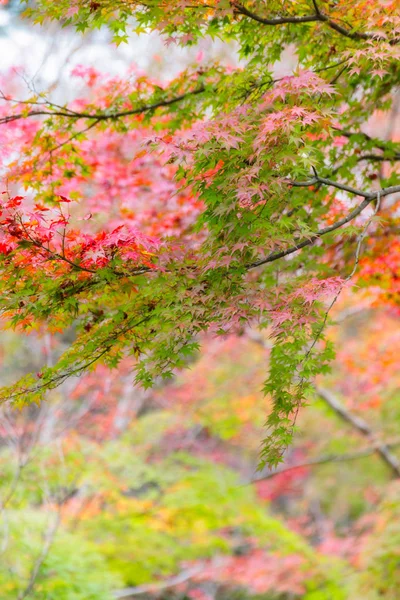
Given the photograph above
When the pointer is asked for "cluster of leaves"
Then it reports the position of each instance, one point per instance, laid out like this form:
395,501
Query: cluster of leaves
238,183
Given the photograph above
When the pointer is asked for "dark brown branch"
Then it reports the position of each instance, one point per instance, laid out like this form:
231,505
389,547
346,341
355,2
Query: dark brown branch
277,20
318,16
101,116
54,255
380,144
378,157
336,184
368,198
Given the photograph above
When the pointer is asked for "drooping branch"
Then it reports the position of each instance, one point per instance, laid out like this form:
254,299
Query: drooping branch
377,446
104,345
78,368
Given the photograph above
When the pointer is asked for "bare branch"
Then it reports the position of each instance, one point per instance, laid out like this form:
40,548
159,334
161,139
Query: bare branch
326,459
360,425
48,540
157,587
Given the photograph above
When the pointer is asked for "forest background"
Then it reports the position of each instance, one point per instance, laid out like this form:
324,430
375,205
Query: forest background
179,484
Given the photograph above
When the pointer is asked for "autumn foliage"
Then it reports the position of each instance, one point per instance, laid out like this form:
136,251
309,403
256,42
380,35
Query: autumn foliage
232,218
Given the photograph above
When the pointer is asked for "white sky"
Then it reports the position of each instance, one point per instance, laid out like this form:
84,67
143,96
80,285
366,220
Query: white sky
48,54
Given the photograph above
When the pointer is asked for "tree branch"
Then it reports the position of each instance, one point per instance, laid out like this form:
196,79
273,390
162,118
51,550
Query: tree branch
380,144
318,16
360,425
102,349
48,540
277,20
101,116
157,587
378,447
368,198
326,459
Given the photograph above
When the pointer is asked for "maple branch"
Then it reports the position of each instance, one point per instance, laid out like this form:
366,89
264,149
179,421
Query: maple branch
94,123
35,242
368,198
104,346
389,154
277,20
343,187
371,157
326,459
360,425
318,16
379,157
380,144
378,447
66,112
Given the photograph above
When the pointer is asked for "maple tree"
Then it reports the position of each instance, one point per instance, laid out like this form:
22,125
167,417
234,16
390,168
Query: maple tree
217,220
223,197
